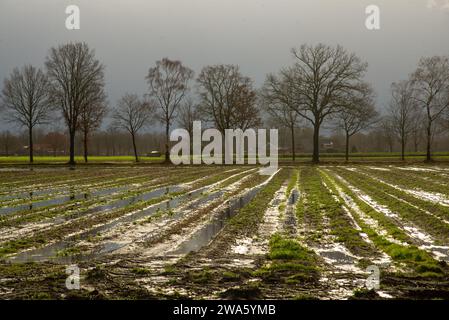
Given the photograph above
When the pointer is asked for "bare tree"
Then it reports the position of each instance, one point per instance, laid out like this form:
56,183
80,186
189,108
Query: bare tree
417,128
77,80
25,99
386,125
321,78
132,115
90,120
403,111
431,81
227,98
168,84
281,108
358,114
188,112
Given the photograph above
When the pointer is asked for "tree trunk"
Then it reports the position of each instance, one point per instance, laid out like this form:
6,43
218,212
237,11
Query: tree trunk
293,143
316,143
415,143
347,147
30,140
167,138
402,149
135,147
72,147
85,142
429,142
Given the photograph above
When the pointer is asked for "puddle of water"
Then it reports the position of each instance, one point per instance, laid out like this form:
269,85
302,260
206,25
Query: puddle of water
59,200
44,203
294,196
50,251
208,194
338,257
203,236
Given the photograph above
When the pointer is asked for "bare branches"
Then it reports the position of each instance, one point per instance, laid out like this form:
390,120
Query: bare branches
188,112
168,84
132,115
431,85
323,76
91,117
25,98
227,98
277,100
318,85
357,112
77,81
403,111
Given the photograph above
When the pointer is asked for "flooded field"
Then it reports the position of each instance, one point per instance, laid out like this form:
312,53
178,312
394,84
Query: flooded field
155,232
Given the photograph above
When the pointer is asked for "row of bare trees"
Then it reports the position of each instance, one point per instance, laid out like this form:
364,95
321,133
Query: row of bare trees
421,100
227,100
73,84
324,84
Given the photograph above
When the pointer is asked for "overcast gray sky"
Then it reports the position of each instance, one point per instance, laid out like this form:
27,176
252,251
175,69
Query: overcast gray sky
130,35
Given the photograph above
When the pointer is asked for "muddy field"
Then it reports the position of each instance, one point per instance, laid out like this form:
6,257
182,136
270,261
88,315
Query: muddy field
306,232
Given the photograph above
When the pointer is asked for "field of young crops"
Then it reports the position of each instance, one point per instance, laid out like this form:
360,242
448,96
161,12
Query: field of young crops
306,232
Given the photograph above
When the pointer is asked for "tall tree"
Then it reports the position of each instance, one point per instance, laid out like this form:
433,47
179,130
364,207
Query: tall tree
322,77
227,98
77,81
357,114
431,81
132,114
403,111
281,108
168,84
25,98
91,117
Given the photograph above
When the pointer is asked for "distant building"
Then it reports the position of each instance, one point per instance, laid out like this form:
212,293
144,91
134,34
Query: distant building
41,149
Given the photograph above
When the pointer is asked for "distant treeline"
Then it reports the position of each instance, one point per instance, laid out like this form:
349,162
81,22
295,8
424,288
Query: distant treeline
323,90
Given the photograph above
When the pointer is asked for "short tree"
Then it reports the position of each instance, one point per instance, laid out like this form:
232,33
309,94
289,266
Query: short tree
25,99
91,118
403,111
280,107
132,114
357,114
